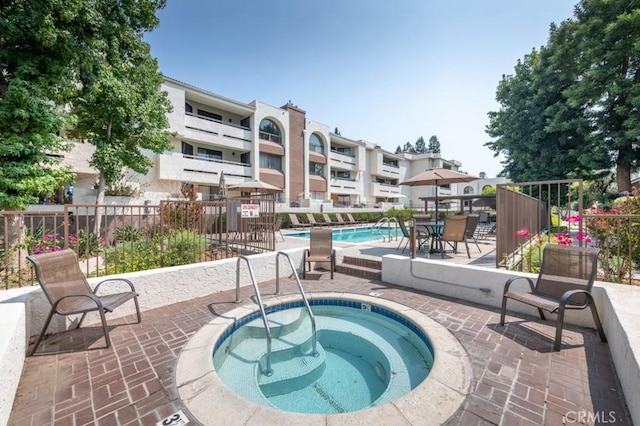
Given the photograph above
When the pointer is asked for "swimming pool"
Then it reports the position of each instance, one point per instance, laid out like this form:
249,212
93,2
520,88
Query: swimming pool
212,401
358,235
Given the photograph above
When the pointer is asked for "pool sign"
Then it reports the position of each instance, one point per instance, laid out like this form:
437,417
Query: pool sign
176,419
250,210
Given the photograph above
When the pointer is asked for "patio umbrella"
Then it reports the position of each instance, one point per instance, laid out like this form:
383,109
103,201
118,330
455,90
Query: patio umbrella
222,186
438,176
258,186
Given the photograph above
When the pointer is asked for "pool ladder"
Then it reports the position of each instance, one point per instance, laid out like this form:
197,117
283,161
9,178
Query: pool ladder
376,229
269,371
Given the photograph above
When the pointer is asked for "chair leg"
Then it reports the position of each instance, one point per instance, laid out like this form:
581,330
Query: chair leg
559,326
400,243
467,247
44,330
596,318
104,327
503,311
135,300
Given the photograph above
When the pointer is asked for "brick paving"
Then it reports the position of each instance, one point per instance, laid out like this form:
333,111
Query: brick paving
517,378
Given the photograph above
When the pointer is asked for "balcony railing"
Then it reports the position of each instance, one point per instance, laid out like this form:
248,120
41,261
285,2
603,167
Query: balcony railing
191,114
271,137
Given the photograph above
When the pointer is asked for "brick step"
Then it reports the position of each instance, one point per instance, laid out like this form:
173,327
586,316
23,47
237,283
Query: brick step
360,271
361,261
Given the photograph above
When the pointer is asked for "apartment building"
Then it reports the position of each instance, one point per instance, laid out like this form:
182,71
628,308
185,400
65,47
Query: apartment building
281,146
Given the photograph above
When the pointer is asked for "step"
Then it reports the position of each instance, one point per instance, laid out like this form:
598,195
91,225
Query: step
361,261
360,271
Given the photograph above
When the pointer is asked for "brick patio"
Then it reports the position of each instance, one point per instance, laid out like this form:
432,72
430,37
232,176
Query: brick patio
517,378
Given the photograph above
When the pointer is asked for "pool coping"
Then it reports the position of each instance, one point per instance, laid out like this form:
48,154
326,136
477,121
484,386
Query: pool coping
432,402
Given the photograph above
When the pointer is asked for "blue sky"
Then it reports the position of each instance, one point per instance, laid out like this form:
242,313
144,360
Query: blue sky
382,71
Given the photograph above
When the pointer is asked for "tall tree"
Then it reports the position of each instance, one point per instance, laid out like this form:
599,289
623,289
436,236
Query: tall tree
420,146
434,145
398,149
408,147
571,109
121,109
604,38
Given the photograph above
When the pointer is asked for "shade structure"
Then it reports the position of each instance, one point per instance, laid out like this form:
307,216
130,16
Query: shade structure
438,176
257,187
222,186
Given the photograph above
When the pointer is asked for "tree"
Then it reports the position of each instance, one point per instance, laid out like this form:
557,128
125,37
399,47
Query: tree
571,109
398,150
336,131
121,109
434,145
408,147
420,146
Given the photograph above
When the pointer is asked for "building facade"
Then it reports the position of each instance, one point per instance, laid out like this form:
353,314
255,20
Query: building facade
281,146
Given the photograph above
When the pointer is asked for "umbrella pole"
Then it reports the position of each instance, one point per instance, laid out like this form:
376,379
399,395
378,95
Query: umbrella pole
436,201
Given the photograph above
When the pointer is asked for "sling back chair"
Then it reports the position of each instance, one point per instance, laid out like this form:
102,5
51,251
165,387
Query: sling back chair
69,293
564,282
320,249
454,232
422,235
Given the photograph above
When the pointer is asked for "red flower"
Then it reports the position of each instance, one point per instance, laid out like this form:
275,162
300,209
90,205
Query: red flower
524,232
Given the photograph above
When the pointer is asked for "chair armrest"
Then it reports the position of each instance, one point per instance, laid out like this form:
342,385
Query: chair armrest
567,295
91,296
512,279
124,280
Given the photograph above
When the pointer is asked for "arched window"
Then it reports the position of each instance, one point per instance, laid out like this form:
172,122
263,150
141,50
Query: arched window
315,144
270,131
468,190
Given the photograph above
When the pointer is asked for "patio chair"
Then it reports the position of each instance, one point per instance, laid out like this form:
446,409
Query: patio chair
341,220
564,282
472,224
296,223
454,232
350,216
422,236
328,220
312,220
278,227
320,250
484,218
69,293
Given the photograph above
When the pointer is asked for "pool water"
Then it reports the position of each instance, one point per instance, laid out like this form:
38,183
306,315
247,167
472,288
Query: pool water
366,356
358,235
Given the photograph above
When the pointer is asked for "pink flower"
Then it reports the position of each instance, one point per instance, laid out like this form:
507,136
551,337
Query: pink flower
573,219
522,232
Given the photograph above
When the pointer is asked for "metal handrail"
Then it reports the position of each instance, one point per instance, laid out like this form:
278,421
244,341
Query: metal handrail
388,221
268,371
302,293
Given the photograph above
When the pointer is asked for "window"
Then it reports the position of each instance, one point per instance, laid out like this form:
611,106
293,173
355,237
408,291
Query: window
316,169
245,122
269,161
269,131
340,174
342,150
468,190
245,158
187,149
188,108
315,144
209,154
210,115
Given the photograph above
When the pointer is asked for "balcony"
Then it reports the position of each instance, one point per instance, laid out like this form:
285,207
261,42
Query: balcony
204,129
346,186
180,167
342,161
385,168
385,190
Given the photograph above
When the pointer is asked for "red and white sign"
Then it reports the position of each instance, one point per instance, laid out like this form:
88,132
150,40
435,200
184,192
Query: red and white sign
249,210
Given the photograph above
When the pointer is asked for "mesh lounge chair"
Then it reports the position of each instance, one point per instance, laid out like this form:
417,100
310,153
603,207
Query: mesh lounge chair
278,227
422,235
454,232
564,282
350,216
296,223
320,250
312,220
341,220
69,293
328,220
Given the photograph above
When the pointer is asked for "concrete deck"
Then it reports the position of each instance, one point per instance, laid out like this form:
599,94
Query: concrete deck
517,378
